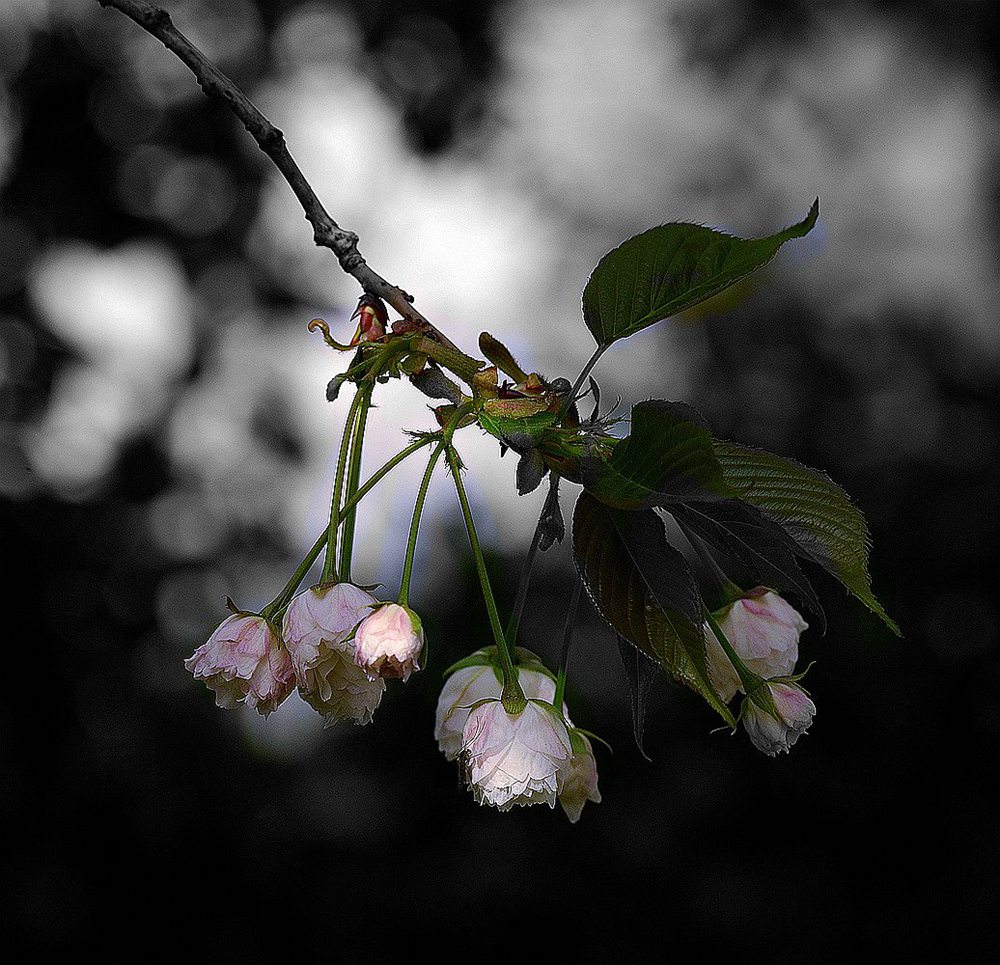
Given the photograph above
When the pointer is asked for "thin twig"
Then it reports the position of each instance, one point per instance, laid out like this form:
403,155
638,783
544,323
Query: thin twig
514,624
326,232
567,642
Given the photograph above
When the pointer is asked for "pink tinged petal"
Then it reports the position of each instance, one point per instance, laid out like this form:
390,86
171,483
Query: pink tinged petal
243,660
229,691
339,690
470,685
795,710
764,630
322,617
389,641
272,681
536,685
461,690
515,759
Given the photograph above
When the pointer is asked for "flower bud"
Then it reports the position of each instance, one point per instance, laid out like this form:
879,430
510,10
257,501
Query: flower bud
771,734
316,627
389,641
373,320
520,758
244,660
468,686
764,630
580,785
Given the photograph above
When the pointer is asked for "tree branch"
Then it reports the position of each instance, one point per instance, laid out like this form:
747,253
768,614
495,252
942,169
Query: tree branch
326,232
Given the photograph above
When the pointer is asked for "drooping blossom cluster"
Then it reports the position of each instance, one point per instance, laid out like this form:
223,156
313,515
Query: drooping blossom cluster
337,644
764,630
248,659
535,756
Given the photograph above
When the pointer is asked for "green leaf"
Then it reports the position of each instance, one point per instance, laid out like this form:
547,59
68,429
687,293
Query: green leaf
518,432
818,515
639,674
760,544
667,269
645,590
668,456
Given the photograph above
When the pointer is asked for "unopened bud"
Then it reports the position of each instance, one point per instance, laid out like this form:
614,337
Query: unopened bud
389,641
776,734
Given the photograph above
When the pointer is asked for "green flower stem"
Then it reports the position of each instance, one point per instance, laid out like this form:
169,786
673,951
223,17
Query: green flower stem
329,572
727,589
288,591
581,378
353,477
566,643
283,598
464,366
748,678
513,697
411,542
376,477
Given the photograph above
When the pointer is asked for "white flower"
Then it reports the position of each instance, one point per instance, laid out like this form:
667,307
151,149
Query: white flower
244,660
764,630
389,641
580,785
316,627
520,758
469,685
795,714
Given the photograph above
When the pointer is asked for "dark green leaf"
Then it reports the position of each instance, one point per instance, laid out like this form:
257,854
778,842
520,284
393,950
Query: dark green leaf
667,457
826,526
639,674
667,269
644,589
742,531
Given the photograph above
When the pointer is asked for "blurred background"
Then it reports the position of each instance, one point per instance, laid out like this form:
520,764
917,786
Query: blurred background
165,441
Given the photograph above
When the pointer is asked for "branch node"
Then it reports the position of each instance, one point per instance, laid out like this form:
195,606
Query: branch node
158,17
272,140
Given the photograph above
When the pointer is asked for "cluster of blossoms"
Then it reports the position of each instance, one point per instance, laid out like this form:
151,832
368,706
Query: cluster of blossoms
336,644
534,756
763,629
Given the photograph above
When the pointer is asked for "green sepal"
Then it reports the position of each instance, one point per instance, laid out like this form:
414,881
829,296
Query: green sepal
518,432
554,711
587,733
760,696
524,659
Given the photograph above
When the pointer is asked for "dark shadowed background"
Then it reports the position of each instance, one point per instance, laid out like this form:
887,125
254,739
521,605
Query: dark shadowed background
165,441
